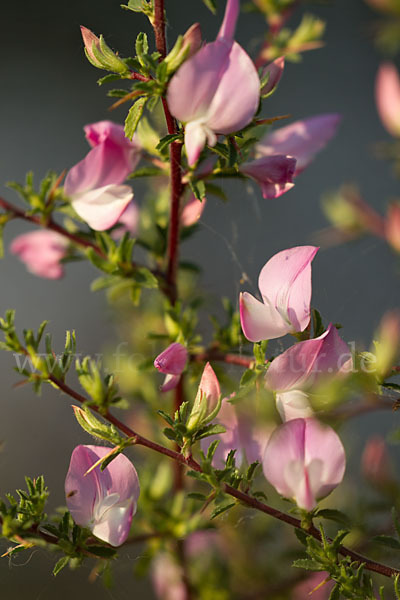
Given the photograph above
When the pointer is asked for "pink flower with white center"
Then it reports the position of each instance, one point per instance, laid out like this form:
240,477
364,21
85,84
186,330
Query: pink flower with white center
292,373
41,251
273,173
387,96
304,460
103,501
172,362
241,435
302,139
216,91
285,286
94,184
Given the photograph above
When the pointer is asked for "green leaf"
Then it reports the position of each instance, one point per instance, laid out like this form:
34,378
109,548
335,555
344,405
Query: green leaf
146,172
218,511
197,496
335,593
334,515
248,378
318,326
170,434
210,430
211,5
387,540
301,536
102,551
60,564
142,47
145,278
198,188
167,140
134,115
109,77
307,563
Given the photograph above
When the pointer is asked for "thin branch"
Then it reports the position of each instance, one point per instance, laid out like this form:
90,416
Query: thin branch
231,359
240,496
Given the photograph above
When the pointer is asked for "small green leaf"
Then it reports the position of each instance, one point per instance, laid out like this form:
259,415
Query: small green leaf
167,140
101,551
334,515
146,172
198,188
221,509
197,496
134,115
335,593
109,77
308,564
211,5
145,278
248,378
60,564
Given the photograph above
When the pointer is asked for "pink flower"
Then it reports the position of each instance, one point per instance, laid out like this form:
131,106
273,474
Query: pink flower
128,222
192,211
292,373
302,139
216,91
94,183
285,286
241,435
387,96
207,398
273,173
275,70
304,460
41,251
167,577
172,362
375,462
103,501
392,226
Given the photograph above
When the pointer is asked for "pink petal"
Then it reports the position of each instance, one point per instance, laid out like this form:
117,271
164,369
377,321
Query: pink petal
232,109
275,190
102,131
302,139
105,164
273,173
101,208
285,282
192,211
193,86
195,140
128,222
170,382
293,404
231,15
85,492
275,70
392,226
387,94
260,321
306,362
209,386
304,460
172,360
192,38
88,39
41,251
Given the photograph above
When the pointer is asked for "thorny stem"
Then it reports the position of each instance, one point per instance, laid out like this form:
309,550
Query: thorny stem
242,497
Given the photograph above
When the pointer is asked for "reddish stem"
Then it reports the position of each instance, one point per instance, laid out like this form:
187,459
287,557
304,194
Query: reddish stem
231,359
49,224
241,496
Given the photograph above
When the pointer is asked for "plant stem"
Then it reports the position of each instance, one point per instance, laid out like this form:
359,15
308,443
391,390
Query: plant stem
49,224
231,359
242,497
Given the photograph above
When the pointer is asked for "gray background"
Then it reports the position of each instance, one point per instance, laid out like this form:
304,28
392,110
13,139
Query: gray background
49,92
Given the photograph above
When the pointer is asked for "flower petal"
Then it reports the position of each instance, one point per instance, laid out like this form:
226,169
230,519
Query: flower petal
260,321
302,139
293,404
172,360
41,251
102,207
387,94
227,29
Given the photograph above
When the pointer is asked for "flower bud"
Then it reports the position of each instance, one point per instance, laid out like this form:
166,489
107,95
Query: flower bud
375,462
100,55
171,362
206,401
